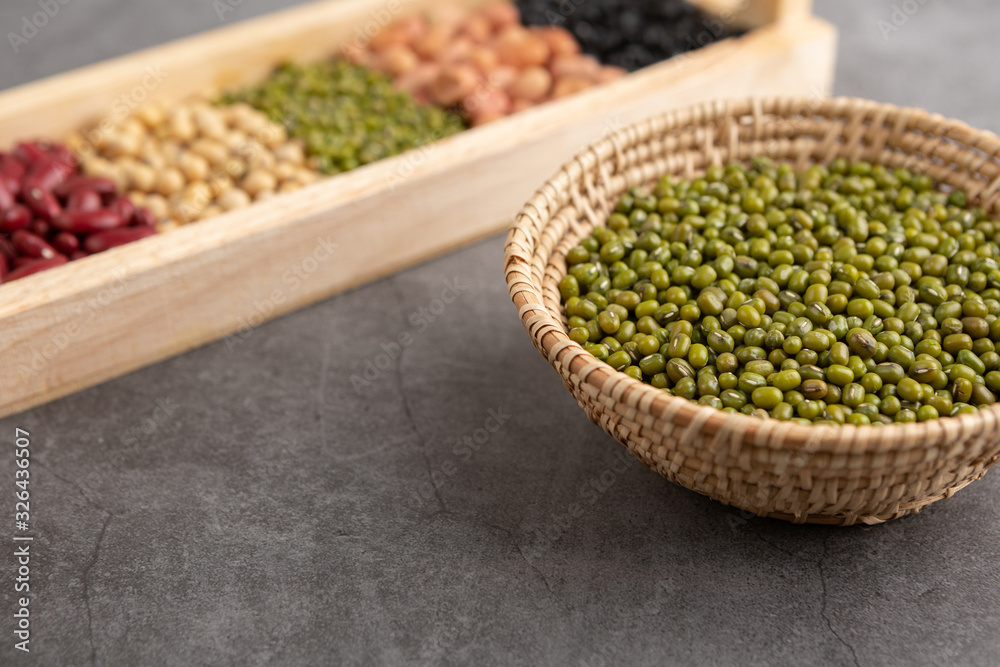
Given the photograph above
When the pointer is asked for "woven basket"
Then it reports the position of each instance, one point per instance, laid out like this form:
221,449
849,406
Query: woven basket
802,473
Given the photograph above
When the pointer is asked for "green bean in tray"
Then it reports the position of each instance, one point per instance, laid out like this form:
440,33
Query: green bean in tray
347,115
848,293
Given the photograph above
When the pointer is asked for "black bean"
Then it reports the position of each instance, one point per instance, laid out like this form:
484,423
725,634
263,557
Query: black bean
629,33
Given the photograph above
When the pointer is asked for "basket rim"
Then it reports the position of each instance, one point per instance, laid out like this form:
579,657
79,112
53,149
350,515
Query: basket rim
568,357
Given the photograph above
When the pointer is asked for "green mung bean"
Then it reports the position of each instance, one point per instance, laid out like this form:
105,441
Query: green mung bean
347,115
848,294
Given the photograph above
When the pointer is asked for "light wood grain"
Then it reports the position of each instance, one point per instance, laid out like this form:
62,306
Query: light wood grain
106,315
753,13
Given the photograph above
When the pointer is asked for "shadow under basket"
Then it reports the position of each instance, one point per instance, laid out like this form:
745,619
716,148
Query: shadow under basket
802,473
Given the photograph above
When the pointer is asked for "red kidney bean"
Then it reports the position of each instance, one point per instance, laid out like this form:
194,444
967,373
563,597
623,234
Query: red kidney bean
43,203
30,152
101,241
11,171
82,222
41,227
7,196
144,218
124,207
101,186
14,218
7,249
82,199
63,154
34,266
13,185
51,214
32,245
45,174
66,243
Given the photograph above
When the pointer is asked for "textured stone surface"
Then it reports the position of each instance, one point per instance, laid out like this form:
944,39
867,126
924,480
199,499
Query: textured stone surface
246,504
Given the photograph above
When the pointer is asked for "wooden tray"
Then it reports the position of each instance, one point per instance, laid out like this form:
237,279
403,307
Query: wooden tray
106,315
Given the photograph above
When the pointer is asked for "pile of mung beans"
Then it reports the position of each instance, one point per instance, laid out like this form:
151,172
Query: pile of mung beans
347,115
847,293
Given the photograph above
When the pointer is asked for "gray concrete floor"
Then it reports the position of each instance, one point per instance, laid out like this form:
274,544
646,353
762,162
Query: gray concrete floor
246,504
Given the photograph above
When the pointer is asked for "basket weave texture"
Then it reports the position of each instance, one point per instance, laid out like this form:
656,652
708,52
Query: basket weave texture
801,473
